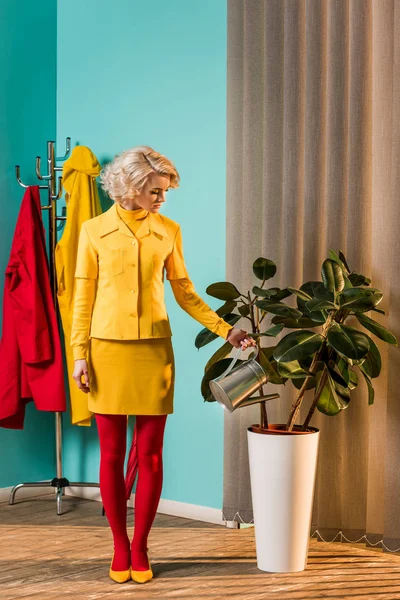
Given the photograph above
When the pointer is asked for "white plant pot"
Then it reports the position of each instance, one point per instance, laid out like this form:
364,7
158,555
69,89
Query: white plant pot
282,473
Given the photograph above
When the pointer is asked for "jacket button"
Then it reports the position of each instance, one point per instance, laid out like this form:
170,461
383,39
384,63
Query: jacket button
133,241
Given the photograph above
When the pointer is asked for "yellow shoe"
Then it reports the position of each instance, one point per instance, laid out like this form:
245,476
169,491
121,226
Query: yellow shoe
142,576
119,576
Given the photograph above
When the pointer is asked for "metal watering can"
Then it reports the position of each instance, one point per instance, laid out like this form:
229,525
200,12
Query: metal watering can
234,387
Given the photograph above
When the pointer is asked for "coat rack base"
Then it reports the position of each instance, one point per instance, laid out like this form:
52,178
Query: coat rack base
58,483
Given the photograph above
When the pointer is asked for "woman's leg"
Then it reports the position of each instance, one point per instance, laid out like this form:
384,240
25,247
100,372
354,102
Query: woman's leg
112,437
150,436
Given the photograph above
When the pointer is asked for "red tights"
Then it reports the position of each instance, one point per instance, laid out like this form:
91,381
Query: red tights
112,437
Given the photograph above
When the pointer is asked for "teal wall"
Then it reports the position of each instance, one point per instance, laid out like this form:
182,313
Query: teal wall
27,121
155,74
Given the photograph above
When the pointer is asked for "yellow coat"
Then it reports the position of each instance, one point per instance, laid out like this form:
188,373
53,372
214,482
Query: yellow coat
120,282
82,201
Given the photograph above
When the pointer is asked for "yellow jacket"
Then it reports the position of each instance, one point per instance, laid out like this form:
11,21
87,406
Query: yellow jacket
120,281
82,201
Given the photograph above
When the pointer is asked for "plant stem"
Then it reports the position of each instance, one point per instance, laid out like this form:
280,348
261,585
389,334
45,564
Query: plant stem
263,408
255,323
297,404
318,393
263,414
317,356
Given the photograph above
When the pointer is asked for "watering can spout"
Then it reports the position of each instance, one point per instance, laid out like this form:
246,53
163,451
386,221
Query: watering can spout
257,399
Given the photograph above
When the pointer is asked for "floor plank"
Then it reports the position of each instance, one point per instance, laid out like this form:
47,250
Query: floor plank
47,557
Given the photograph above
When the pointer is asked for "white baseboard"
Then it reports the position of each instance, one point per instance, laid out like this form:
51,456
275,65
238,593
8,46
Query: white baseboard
191,511
166,507
90,493
25,492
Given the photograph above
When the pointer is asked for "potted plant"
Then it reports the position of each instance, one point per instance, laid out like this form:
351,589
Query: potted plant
326,356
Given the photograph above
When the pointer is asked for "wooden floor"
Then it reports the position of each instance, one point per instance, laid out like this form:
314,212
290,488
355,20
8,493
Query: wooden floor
45,557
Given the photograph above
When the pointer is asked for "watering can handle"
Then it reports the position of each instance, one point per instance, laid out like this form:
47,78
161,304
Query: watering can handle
234,361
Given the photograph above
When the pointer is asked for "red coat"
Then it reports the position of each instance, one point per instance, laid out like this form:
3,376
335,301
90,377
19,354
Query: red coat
31,366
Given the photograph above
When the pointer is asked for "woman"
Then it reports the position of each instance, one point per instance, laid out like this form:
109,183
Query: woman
121,337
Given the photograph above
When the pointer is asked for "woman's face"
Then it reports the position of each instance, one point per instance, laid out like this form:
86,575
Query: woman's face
152,195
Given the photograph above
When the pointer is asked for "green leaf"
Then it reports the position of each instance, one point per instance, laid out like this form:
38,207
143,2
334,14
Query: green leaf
334,397
311,381
300,293
348,342
315,289
278,308
278,294
377,329
343,394
273,331
269,366
318,305
337,377
297,345
215,371
357,279
335,257
372,364
371,391
347,282
266,293
378,310
331,402
226,308
349,376
360,299
341,261
353,382
263,268
343,367
223,290
206,336
355,363
244,310
332,276
344,261
218,355
292,370
301,323
257,291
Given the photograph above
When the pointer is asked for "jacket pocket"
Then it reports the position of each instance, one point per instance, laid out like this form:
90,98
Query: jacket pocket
117,262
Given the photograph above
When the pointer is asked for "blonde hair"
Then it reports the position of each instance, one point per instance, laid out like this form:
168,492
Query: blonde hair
126,174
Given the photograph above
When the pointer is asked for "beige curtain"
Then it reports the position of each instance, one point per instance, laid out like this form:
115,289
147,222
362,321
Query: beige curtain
313,164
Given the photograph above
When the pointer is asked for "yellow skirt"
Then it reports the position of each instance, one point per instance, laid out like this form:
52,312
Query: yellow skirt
131,377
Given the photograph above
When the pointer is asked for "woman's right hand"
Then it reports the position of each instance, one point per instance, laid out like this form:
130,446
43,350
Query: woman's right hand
81,370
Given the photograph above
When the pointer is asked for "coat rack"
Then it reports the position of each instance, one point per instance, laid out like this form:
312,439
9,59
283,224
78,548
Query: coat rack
54,193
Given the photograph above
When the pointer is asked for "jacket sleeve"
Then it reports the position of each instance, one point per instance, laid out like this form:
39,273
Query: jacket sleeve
86,274
29,312
185,293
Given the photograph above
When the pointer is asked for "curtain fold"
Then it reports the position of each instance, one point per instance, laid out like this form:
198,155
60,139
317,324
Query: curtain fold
313,163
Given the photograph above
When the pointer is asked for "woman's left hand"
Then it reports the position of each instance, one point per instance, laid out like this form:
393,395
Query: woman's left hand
240,338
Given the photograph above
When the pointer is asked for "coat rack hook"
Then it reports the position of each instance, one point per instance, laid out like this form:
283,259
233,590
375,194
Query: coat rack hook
60,190
17,173
42,177
67,149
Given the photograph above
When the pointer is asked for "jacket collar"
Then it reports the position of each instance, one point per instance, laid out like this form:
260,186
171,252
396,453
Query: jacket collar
111,221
